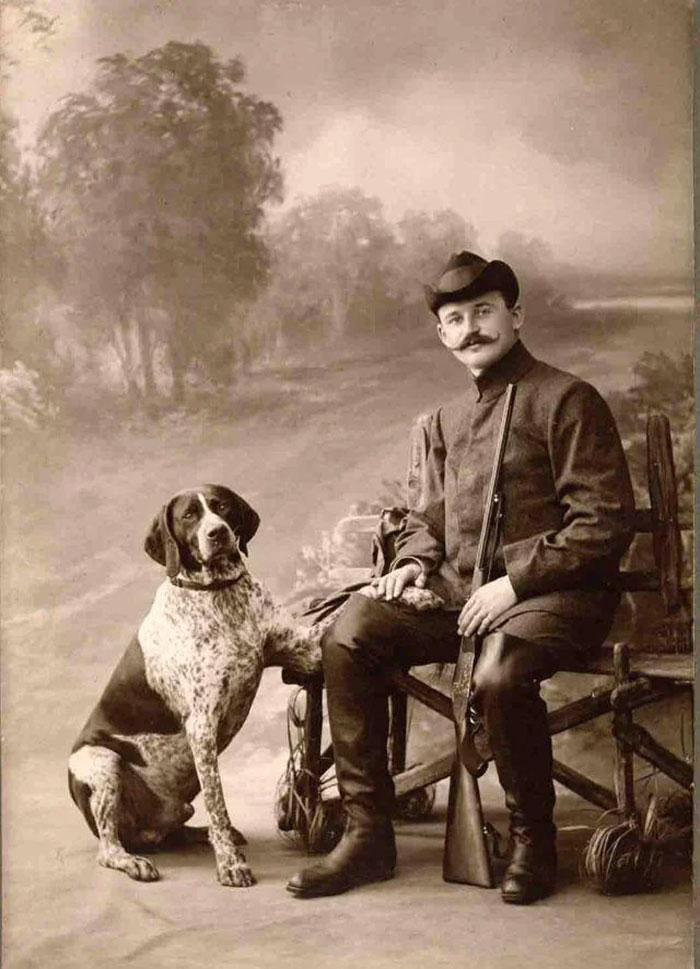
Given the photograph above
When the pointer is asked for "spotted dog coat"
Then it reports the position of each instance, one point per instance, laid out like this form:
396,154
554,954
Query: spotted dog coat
183,689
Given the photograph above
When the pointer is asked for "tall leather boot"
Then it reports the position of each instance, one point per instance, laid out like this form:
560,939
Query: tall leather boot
359,723
507,695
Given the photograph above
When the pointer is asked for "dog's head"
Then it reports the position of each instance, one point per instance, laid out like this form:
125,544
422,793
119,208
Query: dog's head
203,527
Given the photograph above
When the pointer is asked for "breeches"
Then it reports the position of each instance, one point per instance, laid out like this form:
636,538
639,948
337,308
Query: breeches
518,652
379,633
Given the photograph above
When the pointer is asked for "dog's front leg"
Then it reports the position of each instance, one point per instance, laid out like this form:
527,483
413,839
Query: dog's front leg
231,866
293,646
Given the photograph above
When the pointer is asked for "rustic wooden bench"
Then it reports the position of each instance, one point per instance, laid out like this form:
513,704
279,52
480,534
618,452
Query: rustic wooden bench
644,670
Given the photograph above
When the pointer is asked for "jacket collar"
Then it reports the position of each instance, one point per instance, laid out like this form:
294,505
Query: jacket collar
508,370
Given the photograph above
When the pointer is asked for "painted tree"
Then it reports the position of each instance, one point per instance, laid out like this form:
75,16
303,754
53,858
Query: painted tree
331,261
157,179
25,266
28,267
662,383
428,239
425,243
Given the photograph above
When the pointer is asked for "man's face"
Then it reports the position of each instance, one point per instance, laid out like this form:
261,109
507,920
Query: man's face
479,331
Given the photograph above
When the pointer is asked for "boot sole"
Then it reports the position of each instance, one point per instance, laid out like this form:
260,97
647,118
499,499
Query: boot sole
511,898
322,891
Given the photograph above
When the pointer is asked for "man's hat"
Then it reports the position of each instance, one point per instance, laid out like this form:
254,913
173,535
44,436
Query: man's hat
467,275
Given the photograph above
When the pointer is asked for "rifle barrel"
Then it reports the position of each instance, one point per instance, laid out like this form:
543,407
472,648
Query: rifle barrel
491,509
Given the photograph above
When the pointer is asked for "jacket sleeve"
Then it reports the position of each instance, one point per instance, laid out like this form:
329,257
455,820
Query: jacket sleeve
594,491
423,537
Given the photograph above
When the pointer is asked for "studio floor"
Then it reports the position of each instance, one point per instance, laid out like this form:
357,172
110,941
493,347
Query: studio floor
62,910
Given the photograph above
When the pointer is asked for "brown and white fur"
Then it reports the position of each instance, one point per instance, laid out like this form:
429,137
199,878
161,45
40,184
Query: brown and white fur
183,689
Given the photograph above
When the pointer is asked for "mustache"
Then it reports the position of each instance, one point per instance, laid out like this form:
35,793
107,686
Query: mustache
474,339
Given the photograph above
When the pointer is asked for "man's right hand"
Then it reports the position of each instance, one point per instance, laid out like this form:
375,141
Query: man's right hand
391,585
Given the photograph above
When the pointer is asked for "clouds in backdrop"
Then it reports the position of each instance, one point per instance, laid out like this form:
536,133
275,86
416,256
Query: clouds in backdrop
567,121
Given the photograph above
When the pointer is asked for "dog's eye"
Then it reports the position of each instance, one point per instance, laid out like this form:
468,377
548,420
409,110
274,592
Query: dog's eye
218,507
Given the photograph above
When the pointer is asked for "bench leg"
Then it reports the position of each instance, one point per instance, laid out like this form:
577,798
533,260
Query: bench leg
310,783
315,823
618,859
640,741
399,730
621,724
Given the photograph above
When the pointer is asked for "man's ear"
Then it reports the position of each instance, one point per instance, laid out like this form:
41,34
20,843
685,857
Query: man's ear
518,314
441,333
160,543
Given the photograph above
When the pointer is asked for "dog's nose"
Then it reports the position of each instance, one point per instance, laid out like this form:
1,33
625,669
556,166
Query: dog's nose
216,531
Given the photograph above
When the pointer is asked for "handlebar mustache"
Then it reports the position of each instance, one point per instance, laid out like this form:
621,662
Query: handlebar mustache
473,340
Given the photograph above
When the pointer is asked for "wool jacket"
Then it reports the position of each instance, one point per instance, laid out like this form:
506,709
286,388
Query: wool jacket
567,493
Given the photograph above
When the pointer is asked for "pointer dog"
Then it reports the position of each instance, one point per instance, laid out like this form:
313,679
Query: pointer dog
183,689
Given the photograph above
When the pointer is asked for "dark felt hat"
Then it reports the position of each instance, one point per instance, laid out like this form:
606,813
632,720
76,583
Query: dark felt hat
467,276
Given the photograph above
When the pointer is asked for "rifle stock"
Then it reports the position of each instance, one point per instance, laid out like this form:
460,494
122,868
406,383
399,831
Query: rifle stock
466,856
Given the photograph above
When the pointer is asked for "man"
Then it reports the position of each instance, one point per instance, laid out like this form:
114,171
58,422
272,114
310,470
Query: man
551,598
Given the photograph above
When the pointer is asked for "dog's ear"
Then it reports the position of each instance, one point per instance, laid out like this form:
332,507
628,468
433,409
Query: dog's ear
160,543
249,520
241,518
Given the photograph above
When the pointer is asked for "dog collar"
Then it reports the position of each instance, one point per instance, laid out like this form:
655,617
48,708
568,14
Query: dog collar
201,587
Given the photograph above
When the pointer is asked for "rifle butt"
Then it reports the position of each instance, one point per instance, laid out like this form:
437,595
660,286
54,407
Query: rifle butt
466,857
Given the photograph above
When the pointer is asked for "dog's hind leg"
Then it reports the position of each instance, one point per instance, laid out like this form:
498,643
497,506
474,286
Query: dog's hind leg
97,778
112,853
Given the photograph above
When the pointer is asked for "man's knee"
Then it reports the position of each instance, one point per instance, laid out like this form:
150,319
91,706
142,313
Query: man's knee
508,668
498,681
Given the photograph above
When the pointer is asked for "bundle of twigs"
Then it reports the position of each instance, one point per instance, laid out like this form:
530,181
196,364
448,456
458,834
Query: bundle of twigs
314,828
627,857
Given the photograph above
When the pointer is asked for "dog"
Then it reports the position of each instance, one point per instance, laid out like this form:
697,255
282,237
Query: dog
184,686
183,689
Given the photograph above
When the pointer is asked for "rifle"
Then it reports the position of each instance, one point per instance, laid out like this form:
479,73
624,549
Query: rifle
466,858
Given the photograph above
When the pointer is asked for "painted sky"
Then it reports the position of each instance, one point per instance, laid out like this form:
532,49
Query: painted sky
569,121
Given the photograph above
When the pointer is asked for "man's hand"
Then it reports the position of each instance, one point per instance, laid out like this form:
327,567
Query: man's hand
391,586
485,606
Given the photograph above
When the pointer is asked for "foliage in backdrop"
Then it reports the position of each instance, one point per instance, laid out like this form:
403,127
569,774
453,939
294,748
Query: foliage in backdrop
156,181
146,261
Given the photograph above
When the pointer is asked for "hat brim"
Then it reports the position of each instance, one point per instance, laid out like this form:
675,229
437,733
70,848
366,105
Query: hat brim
496,276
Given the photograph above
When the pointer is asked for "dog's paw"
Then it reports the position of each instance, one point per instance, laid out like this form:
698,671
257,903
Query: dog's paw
136,867
142,870
234,873
422,600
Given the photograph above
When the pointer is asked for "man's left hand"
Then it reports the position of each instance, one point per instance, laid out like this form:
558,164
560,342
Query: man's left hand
486,605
